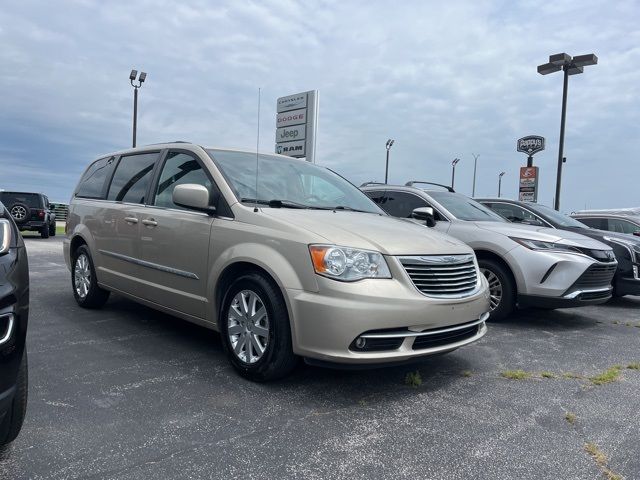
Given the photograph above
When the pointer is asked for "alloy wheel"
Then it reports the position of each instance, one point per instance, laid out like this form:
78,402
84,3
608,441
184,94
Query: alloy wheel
18,212
82,275
248,326
495,288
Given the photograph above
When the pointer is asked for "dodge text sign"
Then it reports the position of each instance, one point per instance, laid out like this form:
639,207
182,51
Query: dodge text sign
296,124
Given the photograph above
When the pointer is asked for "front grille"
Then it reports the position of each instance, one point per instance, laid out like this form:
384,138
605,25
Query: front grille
596,276
442,275
445,338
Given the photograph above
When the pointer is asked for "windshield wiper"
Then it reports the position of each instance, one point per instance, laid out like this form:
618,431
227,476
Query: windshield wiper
342,207
275,203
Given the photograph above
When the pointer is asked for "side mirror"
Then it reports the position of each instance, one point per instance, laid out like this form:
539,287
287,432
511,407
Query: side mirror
425,214
637,233
193,196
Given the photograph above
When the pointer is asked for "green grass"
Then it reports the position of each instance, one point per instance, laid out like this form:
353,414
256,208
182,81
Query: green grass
572,375
59,231
548,375
634,366
516,374
413,379
608,376
467,373
570,417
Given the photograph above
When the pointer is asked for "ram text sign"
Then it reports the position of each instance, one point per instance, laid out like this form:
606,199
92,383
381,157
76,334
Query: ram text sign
296,125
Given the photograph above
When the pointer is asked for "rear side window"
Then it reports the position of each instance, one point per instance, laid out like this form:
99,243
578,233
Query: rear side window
622,226
31,200
91,184
132,177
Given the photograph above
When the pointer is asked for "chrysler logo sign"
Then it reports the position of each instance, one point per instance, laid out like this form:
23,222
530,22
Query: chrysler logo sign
531,144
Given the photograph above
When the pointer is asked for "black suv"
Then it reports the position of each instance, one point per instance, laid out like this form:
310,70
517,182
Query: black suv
626,248
31,211
14,313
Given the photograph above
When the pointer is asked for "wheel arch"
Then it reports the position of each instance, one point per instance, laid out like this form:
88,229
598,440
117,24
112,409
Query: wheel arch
489,255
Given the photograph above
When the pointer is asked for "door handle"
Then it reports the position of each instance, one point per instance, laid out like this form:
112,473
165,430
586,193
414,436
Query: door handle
131,219
150,222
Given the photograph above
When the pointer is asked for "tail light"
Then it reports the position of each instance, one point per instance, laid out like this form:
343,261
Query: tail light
41,213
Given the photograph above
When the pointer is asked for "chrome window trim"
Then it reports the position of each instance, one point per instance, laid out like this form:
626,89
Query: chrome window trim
156,266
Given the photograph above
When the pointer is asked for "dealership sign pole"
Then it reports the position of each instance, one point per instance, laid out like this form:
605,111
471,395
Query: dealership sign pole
297,125
528,188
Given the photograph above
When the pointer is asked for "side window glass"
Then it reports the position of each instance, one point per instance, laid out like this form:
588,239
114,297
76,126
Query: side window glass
599,223
376,195
511,213
178,169
132,177
401,204
92,182
621,226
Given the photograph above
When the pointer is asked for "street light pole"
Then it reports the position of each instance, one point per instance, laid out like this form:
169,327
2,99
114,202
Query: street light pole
453,171
386,170
500,183
475,167
569,66
141,79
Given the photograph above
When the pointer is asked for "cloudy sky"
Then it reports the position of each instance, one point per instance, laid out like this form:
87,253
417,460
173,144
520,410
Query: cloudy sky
444,79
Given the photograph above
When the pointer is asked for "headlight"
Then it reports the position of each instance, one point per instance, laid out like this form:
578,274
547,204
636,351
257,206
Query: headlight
348,264
540,245
5,236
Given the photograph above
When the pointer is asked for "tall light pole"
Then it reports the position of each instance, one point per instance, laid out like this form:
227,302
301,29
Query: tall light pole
475,167
569,66
500,183
141,79
453,171
386,170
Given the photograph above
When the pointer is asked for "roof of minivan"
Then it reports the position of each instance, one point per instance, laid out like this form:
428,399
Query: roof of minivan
187,146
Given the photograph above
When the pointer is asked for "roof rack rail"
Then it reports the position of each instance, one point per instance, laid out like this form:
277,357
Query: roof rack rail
413,182
366,184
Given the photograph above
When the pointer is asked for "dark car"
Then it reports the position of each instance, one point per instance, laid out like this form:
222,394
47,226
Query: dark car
626,248
623,220
31,211
14,313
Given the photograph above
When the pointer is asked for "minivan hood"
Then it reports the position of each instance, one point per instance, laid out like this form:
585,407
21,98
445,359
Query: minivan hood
385,234
543,234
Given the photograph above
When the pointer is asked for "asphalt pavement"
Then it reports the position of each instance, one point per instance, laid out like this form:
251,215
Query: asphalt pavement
129,393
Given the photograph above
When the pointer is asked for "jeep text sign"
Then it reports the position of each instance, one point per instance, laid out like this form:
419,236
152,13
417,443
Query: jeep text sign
296,124
531,144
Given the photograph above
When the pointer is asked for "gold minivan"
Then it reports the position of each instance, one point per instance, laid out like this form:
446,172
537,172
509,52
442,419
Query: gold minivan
286,261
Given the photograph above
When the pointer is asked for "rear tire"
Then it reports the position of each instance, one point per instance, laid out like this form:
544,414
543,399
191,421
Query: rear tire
255,329
84,281
44,231
14,418
501,288
52,229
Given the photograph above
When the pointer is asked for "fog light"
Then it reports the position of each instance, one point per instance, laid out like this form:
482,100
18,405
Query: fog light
361,342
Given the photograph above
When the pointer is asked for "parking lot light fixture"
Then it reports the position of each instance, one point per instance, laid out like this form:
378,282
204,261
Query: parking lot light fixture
453,172
132,79
500,183
386,170
569,66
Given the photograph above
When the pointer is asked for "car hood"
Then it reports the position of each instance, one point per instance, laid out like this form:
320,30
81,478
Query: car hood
543,234
385,234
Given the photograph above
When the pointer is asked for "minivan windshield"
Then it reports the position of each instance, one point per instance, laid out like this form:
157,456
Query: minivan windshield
288,183
556,217
465,208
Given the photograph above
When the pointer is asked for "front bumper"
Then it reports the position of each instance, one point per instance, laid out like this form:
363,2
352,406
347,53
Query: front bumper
326,324
558,276
629,284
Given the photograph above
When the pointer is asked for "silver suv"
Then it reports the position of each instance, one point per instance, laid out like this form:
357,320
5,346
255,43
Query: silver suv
289,262
525,265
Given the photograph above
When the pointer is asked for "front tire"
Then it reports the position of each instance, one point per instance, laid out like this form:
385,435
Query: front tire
84,282
502,289
255,329
14,418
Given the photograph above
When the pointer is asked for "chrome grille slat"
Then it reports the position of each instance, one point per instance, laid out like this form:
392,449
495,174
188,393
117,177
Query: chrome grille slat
443,276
